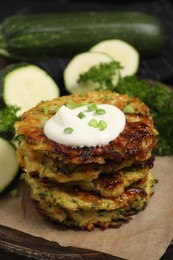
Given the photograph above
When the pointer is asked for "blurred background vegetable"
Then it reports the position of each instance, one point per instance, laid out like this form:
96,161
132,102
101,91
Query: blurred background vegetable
39,36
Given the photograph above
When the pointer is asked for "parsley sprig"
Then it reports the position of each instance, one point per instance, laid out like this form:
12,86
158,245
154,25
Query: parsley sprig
159,98
104,74
8,117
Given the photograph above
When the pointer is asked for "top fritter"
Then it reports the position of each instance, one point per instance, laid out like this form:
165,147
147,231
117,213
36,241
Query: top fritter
135,142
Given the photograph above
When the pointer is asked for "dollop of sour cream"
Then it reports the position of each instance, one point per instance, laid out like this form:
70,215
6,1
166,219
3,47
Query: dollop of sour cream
82,133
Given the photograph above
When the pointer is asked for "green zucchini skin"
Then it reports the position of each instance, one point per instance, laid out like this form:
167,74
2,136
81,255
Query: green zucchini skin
12,177
41,36
3,73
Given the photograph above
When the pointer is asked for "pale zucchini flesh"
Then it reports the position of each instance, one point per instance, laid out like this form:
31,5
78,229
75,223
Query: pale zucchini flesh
122,52
26,86
80,64
8,164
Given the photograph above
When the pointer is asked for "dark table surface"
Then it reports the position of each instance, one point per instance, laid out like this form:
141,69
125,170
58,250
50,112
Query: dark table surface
159,68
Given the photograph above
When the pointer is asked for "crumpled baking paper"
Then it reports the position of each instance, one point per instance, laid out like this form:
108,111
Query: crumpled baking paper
145,237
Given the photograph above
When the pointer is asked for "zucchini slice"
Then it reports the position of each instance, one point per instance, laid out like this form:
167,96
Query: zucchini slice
120,51
8,164
80,64
25,85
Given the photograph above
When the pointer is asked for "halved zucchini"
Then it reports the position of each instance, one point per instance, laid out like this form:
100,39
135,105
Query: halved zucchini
122,52
8,164
24,85
82,63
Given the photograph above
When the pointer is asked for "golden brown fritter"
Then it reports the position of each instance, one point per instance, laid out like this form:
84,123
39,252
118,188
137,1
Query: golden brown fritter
36,162
136,141
88,186
85,210
72,198
107,185
114,184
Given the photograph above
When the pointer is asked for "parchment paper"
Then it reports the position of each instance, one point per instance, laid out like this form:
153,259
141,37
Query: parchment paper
146,236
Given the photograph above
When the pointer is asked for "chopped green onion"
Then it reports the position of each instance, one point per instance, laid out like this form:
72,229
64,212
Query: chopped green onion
46,110
128,109
100,111
83,103
82,94
92,107
43,121
56,108
102,125
93,123
81,115
70,104
68,130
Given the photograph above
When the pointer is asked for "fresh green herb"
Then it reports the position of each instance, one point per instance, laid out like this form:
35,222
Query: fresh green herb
46,110
43,121
92,107
54,108
81,115
159,98
72,105
93,123
68,130
102,125
8,117
82,94
104,74
16,138
128,109
100,111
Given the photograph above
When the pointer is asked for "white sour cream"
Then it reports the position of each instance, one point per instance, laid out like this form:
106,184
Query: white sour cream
83,134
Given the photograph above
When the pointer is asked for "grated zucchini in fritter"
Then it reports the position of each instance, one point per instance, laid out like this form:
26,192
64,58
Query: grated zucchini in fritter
58,171
75,199
135,141
85,187
80,208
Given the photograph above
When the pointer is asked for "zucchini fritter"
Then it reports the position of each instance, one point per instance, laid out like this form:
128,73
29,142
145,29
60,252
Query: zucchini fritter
136,141
85,187
83,209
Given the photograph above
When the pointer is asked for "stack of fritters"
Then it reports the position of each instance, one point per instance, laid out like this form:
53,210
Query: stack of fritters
89,186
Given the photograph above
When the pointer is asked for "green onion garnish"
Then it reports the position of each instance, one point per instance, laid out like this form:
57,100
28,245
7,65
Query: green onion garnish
70,104
93,123
56,109
43,121
128,109
83,103
82,94
81,115
100,111
102,125
68,130
92,107
46,110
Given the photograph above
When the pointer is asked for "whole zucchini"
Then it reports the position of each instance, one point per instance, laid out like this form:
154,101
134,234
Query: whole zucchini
39,36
